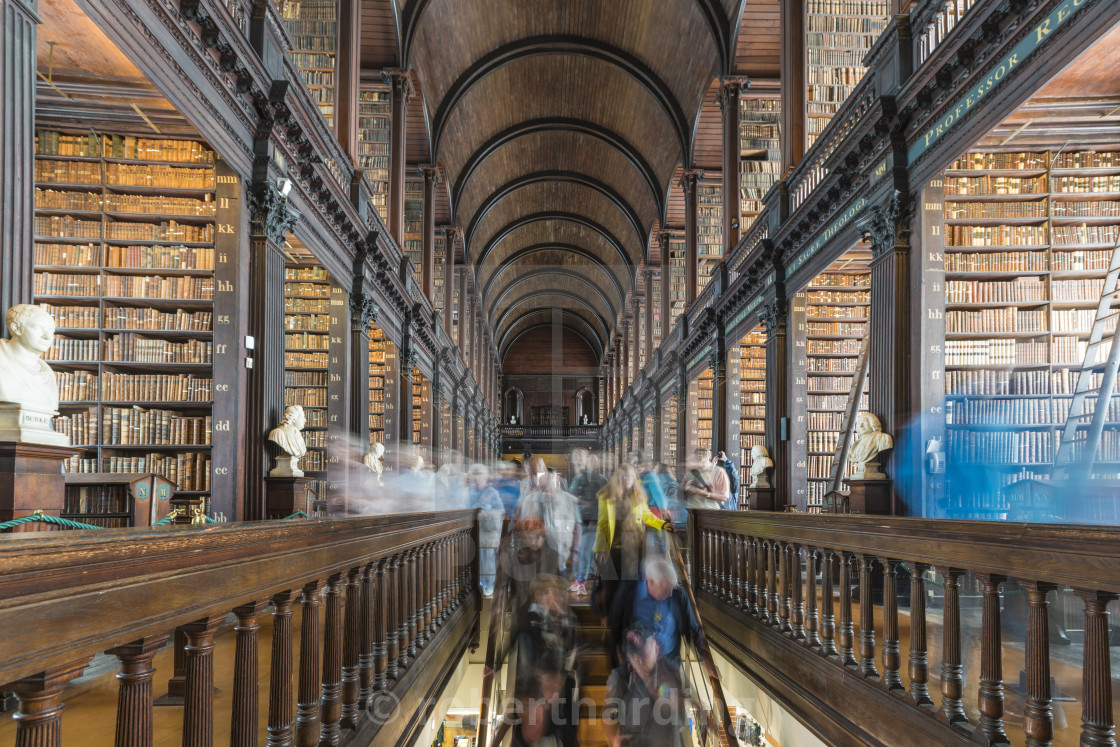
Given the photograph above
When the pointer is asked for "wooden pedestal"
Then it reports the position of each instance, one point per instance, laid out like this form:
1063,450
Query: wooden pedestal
286,495
31,479
869,497
761,499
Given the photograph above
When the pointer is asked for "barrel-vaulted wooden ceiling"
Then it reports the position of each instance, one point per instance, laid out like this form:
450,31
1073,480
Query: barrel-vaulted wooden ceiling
559,125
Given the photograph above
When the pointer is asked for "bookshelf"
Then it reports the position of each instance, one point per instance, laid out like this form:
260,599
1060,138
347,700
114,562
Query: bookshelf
413,243
1029,236
839,34
421,408
377,374
703,433
439,286
837,310
374,123
752,399
677,276
654,297
709,232
307,326
124,261
760,154
669,434
312,26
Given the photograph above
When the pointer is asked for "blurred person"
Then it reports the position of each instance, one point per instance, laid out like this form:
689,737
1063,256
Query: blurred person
484,498
558,509
650,484
705,485
451,483
671,488
411,489
508,486
623,516
586,483
657,602
724,462
644,706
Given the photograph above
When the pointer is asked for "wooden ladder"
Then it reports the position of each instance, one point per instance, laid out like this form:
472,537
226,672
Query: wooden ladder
851,409
1066,462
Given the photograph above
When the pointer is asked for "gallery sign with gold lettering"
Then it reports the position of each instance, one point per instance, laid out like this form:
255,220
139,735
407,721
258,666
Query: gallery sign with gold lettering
1022,50
844,219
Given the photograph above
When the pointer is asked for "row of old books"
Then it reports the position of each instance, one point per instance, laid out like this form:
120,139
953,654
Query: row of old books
1018,410
153,286
997,235
136,348
836,329
158,175
117,387
124,426
995,352
1005,319
162,257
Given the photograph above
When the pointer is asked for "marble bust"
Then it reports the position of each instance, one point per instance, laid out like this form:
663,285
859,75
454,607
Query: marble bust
289,437
28,388
871,441
374,460
760,465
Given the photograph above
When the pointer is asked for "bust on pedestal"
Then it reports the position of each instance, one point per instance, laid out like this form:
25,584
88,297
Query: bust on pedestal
870,488
375,460
760,495
288,436
31,452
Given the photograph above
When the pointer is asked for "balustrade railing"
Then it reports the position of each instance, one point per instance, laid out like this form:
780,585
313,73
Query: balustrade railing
1018,588
934,20
393,588
550,431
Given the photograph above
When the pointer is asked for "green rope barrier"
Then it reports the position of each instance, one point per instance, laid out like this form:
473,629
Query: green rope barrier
56,520
297,515
165,520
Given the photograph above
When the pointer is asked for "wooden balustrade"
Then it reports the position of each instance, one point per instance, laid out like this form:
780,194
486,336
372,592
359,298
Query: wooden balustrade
392,589
785,626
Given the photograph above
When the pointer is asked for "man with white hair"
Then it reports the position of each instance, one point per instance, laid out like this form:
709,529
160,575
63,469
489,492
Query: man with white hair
657,602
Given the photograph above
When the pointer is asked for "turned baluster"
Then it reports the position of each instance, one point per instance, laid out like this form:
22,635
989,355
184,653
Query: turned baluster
366,638
772,582
845,632
919,657
892,656
426,586
280,712
866,618
702,559
738,566
413,598
134,693
307,701
722,554
448,577
783,588
351,645
330,703
198,701
761,571
812,637
177,683
381,622
1039,724
398,651
828,606
796,605
751,562
39,718
243,729
952,674
1097,727
990,699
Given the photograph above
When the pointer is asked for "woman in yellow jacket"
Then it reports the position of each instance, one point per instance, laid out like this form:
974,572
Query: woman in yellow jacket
623,515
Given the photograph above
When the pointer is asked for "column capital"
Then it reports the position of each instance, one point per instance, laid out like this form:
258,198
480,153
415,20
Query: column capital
401,82
887,226
729,89
689,178
663,238
270,214
774,316
430,172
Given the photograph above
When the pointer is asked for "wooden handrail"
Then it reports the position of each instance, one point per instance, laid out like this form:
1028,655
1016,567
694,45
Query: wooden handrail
758,576
726,729
408,582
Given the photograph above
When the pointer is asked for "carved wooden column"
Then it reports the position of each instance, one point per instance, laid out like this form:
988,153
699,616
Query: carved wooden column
990,699
952,673
866,618
270,219
448,278
351,634
728,97
430,172
134,693
407,359
363,311
892,658
691,248
243,728
307,705
366,639
401,93
1039,723
774,317
349,73
648,301
331,702
919,656
845,631
887,227
717,360
39,718
795,91
17,159
280,713
198,703
828,606
382,583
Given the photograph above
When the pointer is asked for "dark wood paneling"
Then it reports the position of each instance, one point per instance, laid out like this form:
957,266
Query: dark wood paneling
547,351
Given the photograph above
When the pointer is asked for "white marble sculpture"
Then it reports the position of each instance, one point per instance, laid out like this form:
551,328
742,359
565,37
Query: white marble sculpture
289,437
760,465
870,442
28,388
375,460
